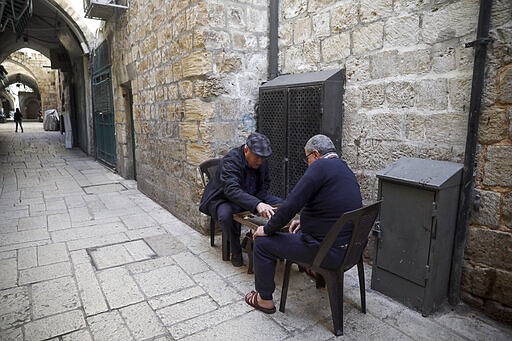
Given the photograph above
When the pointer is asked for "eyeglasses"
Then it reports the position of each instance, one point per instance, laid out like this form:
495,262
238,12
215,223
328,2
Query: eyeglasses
307,157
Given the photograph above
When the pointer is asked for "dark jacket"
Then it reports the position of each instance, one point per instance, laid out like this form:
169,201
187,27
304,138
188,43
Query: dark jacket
227,184
17,115
327,189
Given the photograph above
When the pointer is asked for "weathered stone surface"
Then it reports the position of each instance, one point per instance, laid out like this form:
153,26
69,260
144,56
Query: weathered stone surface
489,247
27,258
14,307
44,272
197,64
507,209
162,281
432,94
494,125
335,47
55,325
498,168
371,10
400,94
109,326
54,296
367,38
488,212
505,85
488,283
293,8
197,110
401,31
344,16
142,321
321,25
185,310
89,288
52,253
119,287
302,30
454,20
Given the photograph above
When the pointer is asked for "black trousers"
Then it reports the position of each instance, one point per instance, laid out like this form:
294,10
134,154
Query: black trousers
18,122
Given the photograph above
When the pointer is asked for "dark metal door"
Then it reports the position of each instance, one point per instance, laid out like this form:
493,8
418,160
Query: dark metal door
289,117
406,226
103,108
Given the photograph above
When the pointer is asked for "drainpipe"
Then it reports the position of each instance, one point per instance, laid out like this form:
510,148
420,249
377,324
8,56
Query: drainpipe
273,51
466,197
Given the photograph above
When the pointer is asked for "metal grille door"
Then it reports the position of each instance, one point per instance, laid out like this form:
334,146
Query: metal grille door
272,123
305,120
103,108
293,108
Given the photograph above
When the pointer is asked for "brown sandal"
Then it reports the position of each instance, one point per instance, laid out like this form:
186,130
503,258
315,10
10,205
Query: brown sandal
251,299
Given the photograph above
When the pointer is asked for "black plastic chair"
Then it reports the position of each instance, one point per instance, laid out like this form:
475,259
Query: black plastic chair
362,220
208,169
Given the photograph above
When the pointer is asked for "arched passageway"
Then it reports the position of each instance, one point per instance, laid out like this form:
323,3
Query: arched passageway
57,30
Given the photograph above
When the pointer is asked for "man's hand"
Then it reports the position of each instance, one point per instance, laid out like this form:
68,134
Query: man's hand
294,226
265,210
260,232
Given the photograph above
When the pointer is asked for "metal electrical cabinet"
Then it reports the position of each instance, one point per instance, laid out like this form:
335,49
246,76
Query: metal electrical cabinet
414,239
293,108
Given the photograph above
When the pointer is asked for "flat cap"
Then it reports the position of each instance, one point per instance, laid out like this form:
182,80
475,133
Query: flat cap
259,144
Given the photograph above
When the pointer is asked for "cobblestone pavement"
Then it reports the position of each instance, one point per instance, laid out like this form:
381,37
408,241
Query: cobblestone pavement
85,256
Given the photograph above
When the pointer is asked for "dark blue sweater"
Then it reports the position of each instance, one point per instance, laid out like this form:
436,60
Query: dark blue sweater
327,189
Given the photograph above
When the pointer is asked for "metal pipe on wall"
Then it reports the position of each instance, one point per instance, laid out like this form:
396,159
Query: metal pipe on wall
273,51
466,197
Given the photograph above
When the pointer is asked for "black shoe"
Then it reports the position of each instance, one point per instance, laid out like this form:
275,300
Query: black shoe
237,260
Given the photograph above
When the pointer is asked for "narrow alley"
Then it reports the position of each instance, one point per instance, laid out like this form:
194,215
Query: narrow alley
84,255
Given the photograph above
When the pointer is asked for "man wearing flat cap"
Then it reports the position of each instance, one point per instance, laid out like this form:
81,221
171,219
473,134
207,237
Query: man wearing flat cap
241,185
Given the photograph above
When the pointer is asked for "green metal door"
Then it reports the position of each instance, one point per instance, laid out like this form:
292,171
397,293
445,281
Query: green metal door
103,108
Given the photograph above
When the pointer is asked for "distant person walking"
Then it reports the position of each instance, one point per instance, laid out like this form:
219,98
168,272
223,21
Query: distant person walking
17,118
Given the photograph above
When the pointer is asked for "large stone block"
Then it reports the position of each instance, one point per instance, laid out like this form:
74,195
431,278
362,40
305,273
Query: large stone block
494,125
488,212
321,26
335,47
454,128
488,283
432,94
489,248
454,20
402,31
372,10
198,152
197,64
302,30
498,168
459,92
400,94
197,110
505,86
344,17
357,69
373,95
368,38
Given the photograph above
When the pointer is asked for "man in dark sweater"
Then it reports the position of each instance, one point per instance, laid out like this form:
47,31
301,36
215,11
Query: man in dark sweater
241,185
327,189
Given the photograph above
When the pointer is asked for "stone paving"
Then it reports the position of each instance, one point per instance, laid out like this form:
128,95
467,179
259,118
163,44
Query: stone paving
85,256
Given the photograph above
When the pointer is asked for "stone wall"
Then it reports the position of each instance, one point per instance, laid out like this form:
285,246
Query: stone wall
487,275
407,93
198,65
